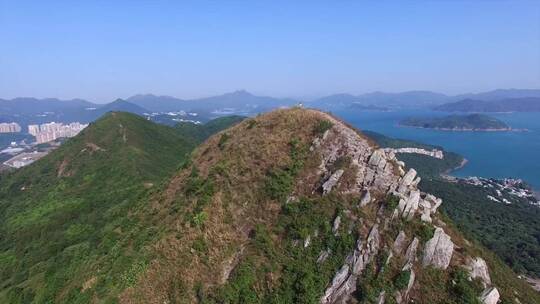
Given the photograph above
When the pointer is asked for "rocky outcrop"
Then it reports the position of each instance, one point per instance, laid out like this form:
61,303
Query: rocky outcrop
344,282
490,296
332,181
439,249
377,173
478,269
399,242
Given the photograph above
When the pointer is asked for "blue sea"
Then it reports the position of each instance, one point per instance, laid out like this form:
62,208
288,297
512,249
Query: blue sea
490,154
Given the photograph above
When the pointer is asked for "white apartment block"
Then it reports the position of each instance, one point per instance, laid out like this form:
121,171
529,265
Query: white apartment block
50,131
10,127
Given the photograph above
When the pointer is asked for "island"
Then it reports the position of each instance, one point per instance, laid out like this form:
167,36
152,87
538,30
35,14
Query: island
472,122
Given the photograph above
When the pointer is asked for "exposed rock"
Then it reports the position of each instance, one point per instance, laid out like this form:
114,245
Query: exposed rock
366,199
307,241
336,224
332,181
407,180
332,292
409,206
439,250
323,256
478,269
376,158
381,298
490,296
399,242
410,254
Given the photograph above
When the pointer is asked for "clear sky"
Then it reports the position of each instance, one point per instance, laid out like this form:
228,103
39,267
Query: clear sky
101,50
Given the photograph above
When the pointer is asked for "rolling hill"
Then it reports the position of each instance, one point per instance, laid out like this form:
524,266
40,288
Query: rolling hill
65,215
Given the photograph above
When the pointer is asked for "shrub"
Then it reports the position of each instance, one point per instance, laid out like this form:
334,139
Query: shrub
402,279
222,140
322,126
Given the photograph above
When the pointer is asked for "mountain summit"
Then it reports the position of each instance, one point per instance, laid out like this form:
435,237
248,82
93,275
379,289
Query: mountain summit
292,206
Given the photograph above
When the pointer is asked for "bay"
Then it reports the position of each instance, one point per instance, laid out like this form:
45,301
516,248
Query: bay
514,154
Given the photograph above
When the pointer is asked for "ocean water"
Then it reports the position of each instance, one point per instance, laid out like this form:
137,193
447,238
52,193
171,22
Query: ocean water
490,154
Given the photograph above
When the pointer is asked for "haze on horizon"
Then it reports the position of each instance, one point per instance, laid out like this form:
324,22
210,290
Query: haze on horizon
102,50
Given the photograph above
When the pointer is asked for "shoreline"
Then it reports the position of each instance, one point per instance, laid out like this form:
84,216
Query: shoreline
446,174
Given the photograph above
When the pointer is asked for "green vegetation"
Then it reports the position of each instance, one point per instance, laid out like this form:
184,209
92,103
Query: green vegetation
66,221
202,132
512,231
280,180
322,126
301,278
473,122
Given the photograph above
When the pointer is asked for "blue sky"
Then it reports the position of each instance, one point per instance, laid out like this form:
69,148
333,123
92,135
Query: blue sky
101,50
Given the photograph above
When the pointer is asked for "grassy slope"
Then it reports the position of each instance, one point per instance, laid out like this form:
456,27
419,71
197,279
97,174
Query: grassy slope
65,221
201,132
227,207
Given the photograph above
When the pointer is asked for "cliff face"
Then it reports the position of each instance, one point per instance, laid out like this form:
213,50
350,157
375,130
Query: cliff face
296,206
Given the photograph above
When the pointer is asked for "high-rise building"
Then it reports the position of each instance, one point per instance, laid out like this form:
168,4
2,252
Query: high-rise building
33,129
10,127
51,131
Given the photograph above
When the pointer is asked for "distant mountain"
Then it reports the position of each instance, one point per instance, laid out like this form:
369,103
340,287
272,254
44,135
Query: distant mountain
120,105
239,101
34,106
527,104
410,99
501,94
473,122
158,103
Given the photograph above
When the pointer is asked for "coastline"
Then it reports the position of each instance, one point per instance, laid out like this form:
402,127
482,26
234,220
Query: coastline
446,174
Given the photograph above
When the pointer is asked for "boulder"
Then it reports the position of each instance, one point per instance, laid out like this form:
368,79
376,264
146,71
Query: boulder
439,250
410,253
490,296
366,199
478,269
411,205
332,181
336,224
399,242
407,180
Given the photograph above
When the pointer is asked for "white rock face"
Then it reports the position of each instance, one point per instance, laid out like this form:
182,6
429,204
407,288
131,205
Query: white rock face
478,269
336,225
399,242
332,181
407,180
411,205
410,254
490,296
439,250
